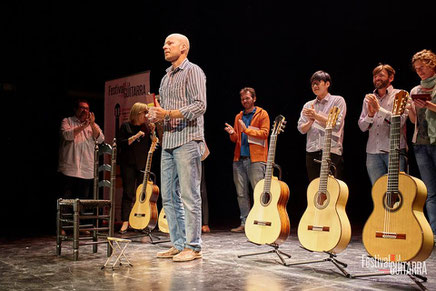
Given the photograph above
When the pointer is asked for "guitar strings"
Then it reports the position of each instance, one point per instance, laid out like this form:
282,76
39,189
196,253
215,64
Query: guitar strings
392,174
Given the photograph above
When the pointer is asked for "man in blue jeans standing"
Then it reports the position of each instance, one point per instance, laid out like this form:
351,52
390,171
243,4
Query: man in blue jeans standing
250,134
375,118
183,100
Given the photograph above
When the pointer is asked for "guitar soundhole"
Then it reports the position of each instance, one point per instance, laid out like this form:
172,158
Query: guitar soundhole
265,198
321,200
393,201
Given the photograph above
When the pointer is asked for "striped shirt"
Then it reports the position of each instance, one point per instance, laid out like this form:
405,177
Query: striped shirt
183,88
315,135
379,126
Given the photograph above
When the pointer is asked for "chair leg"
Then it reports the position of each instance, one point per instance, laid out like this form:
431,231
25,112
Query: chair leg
58,230
96,225
111,228
94,239
76,234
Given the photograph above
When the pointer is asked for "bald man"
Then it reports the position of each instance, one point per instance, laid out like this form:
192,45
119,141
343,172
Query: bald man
183,104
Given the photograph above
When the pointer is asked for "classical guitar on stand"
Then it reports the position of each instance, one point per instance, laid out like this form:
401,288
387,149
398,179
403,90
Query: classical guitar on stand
268,220
324,226
397,229
144,212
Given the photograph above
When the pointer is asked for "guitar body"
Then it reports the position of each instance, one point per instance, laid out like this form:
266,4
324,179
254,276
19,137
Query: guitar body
144,212
163,223
324,225
402,234
269,224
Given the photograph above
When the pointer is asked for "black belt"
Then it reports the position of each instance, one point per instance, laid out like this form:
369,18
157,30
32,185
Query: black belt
244,157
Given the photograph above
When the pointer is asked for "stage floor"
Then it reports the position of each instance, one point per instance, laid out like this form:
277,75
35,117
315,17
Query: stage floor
31,264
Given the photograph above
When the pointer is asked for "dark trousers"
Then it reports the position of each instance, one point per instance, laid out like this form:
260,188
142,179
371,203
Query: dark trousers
73,187
132,178
314,168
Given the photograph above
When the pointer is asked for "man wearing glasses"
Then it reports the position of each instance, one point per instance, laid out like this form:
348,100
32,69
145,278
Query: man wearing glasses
76,154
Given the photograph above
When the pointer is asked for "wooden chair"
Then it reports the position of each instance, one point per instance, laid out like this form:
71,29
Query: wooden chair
91,220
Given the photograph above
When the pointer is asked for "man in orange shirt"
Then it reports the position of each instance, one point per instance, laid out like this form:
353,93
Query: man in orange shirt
250,133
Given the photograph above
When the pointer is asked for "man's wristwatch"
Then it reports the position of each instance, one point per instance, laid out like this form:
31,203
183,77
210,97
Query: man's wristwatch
167,115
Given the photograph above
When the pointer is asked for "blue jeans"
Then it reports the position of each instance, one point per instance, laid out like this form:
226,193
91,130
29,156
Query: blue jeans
181,198
244,172
426,160
377,165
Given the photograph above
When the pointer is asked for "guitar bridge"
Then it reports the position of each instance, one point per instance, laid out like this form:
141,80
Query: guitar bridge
318,228
391,235
264,223
139,214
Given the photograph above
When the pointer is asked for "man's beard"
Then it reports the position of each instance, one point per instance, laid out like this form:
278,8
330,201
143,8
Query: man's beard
381,84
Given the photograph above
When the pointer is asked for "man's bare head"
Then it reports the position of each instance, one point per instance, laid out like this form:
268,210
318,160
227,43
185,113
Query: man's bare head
182,39
176,48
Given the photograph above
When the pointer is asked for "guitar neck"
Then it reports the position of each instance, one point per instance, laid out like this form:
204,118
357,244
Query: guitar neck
324,174
270,162
147,170
394,153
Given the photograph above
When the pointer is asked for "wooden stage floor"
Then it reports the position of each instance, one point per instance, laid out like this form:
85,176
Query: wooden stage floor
31,264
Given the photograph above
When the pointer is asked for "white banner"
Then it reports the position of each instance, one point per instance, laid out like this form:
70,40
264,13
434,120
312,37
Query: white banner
119,96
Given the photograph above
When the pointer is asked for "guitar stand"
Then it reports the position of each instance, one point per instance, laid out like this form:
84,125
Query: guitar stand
151,236
405,271
276,250
154,239
331,258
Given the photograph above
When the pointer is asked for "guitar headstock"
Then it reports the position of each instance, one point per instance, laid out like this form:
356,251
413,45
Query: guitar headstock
332,117
279,125
154,141
400,102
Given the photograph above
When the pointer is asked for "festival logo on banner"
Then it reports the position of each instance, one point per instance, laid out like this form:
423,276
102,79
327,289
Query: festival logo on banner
119,96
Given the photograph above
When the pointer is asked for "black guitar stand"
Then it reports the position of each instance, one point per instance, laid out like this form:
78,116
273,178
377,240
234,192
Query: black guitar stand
405,270
275,250
154,239
331,258
151,236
